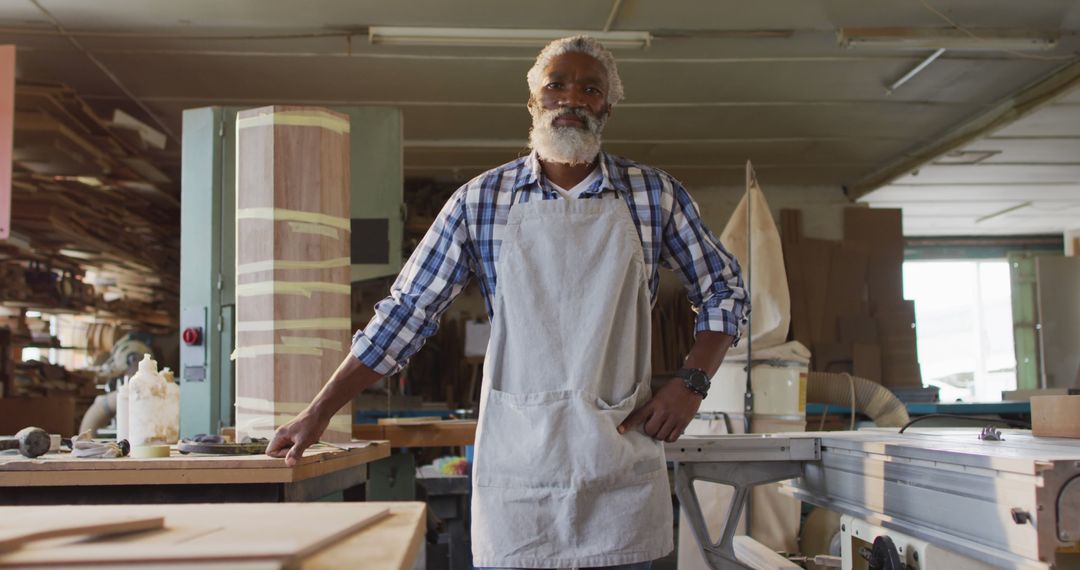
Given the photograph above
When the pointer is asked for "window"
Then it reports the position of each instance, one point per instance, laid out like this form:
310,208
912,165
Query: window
963,316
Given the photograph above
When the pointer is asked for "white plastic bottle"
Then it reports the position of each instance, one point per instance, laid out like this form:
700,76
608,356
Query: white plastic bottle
123,412
172,406
147,401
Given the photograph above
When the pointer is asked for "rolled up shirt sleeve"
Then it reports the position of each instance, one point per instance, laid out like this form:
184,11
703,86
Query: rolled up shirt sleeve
434,275
711,275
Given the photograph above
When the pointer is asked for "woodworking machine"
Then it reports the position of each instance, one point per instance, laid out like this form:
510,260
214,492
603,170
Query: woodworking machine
926,498
207,243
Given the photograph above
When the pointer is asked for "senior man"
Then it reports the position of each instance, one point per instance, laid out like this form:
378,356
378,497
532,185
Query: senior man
566,243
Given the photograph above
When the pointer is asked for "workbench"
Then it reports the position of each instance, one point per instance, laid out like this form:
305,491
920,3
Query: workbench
444,433
925,408
58,478
396,479
315,536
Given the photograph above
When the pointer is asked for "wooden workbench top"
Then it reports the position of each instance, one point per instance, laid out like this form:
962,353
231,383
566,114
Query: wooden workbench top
308,535
62,469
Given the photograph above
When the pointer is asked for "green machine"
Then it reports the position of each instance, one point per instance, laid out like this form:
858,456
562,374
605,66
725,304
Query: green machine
208,248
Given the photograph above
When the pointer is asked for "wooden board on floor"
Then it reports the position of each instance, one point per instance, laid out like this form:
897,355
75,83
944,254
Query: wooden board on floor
447,433
62,469
281,533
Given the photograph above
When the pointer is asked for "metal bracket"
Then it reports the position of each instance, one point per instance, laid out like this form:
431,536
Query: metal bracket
742,462
742,477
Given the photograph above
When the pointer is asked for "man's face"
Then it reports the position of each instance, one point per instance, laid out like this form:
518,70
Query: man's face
570,109
575,80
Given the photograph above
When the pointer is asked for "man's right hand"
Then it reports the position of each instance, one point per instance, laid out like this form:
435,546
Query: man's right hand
292,438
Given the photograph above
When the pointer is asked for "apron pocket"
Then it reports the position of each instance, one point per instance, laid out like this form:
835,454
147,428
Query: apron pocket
564,439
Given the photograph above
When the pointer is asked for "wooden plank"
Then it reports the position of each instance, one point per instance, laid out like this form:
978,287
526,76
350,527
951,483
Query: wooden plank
392,544
54,414
846,294
791,240
874,226
760,557
31,529
1055,416
857,329
61,469
7,131
816,260
452,433
1057,283
285,533
880,230
866,361
292,254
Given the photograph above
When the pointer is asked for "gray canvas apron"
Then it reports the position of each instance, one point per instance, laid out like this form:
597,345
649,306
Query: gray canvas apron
554,483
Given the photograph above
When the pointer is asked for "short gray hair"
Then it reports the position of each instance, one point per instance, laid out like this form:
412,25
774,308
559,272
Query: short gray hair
577,44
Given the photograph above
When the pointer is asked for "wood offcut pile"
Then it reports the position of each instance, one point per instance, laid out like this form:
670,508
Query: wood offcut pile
95,224
847,300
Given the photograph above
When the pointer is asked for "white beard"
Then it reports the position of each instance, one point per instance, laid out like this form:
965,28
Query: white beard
564,144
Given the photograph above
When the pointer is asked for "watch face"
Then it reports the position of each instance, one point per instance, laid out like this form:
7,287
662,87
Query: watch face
698,378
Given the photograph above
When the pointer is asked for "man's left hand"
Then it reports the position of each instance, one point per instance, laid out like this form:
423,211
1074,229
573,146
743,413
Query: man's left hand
666,415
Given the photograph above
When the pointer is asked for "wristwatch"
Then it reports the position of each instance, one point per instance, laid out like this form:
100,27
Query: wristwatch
695,379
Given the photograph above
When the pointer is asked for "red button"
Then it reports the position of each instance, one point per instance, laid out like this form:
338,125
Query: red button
192,336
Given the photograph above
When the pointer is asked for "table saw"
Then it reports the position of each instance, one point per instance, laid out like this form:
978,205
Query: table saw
942,497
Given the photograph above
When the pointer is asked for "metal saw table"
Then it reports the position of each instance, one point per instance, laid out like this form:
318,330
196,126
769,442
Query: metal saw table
1006,504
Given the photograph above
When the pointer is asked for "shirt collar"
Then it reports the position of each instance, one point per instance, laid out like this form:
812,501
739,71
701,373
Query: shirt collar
613,176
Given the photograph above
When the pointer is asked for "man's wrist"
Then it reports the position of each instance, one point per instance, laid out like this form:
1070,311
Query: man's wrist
695,380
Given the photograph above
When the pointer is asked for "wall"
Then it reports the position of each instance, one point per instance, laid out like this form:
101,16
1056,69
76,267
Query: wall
822,206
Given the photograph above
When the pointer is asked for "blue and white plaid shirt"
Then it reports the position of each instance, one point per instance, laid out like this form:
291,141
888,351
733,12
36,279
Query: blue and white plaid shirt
467,234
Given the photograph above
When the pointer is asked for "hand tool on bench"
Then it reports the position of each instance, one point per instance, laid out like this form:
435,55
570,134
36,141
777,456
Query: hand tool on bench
31,442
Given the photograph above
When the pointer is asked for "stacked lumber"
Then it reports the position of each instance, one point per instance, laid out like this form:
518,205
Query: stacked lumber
672,332
847,300
90,208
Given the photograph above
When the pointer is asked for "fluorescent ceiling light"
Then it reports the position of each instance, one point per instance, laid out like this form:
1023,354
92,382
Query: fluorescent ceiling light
946,38
1000,213
497,37
966,156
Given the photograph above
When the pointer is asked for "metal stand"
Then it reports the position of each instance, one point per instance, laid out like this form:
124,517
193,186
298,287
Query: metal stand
742,462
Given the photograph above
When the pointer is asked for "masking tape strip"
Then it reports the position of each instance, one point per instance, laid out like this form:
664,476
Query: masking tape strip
249,422
312,341
303,228
294,325
305,288
296,119
264,405
288,264
286,215
272,349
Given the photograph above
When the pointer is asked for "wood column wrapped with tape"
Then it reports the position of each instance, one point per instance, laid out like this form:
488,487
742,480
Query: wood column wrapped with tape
292,264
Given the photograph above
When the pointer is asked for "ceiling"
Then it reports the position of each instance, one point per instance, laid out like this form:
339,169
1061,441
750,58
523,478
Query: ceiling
1023,178
723,81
